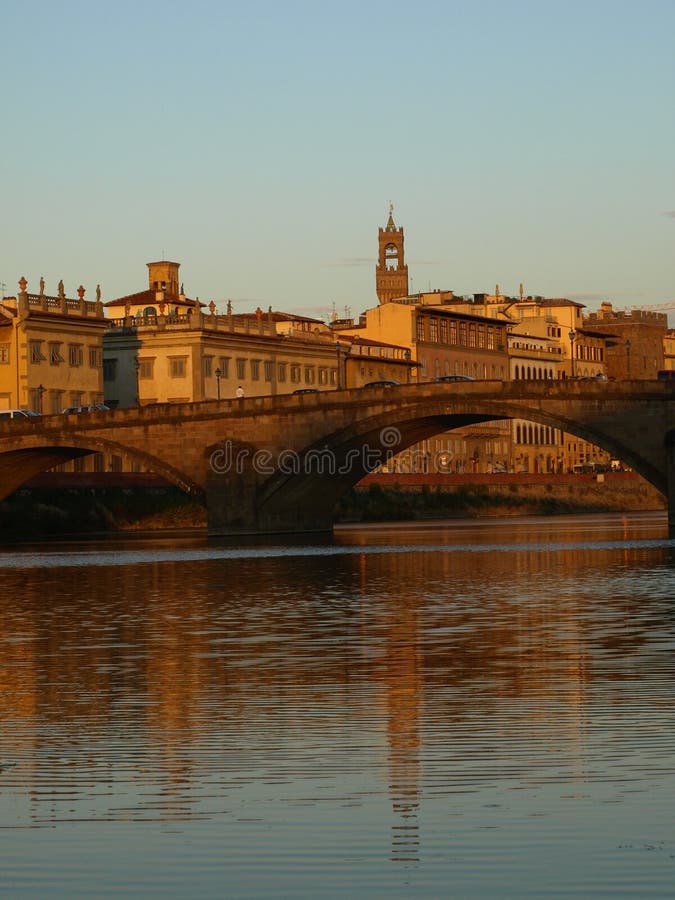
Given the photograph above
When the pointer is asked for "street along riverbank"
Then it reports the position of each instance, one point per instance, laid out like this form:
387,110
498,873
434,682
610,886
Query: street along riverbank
52,505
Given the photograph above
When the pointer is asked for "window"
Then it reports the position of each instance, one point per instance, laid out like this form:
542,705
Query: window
255,370
472,335
146,368
75,355
109,369
55,354
95,354
309,374
281,372
462,333
4,353
323,375
453,332
56,403
296,372
490,338
419,328
433,330
208,366
269,370
481,335
444,331
241,368
36,354
177,366
149,312
224,366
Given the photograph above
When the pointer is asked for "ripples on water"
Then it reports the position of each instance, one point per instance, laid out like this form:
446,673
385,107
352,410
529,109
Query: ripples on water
478,708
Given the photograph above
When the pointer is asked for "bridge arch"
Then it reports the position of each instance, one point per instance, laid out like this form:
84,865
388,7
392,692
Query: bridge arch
304,493
34,456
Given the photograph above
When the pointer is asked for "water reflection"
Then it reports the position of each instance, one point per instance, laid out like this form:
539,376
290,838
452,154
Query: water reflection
481,674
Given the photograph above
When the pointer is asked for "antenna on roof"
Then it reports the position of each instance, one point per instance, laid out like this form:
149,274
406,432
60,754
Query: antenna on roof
2,288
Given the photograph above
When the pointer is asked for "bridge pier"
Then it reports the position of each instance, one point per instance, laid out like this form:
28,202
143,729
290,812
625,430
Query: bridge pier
234,508
670,476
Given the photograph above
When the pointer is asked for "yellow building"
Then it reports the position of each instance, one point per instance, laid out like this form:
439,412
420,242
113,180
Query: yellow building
669,349
167,348
50,350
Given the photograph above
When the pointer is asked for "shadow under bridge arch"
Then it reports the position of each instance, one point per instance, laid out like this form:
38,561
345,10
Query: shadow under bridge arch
311,482
21,463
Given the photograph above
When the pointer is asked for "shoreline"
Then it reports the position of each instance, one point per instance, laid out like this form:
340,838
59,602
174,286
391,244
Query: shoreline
39,511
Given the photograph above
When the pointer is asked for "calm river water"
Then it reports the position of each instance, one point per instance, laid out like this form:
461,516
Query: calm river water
452,709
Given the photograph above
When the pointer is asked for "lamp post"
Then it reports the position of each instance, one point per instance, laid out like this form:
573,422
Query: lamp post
628,345
341,372
572,335
407,355
218,375
40,391
137,366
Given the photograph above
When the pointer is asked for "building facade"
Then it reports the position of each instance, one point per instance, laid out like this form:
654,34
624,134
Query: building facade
50,350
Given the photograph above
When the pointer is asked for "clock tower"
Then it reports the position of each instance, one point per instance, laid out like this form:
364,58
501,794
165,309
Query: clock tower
391,273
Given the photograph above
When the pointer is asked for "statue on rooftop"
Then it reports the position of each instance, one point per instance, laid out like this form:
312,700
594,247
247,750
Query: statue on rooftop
62,292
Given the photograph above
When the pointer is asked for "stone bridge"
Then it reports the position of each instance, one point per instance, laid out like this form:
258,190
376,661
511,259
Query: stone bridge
279,464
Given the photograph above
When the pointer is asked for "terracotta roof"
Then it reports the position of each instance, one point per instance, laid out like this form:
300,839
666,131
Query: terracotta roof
357,339
561,301
149,298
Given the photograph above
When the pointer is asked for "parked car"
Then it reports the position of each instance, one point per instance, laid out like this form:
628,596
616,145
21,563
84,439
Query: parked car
306,391
382,384
95,407
17,413
454,378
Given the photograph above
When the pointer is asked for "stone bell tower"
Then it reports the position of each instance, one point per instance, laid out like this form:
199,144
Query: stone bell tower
163,276
391,273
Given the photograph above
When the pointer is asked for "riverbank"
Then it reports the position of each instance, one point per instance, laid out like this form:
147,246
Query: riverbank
41,510
404,496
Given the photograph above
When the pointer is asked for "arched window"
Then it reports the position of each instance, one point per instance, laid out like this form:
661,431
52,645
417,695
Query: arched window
149,311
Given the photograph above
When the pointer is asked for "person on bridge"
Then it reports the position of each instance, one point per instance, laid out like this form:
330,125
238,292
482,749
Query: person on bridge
240,392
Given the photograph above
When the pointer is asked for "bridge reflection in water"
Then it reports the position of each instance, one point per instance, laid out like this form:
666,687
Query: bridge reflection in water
280,464
403,706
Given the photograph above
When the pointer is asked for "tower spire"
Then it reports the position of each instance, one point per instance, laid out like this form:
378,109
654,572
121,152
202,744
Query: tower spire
391,273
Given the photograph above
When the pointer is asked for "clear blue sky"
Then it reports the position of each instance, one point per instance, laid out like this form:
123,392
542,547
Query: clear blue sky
260,143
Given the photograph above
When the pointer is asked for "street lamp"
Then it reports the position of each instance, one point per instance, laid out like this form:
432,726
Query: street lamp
407,355
137,366
341,375
572,335
218,375
40,391
628,358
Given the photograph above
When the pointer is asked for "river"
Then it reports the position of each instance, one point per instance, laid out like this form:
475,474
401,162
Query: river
468,708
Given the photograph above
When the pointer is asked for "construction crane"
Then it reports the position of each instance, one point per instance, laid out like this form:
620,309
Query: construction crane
659,307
